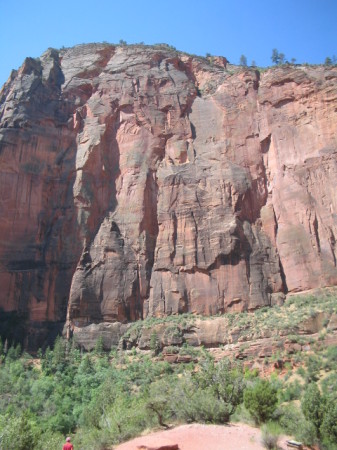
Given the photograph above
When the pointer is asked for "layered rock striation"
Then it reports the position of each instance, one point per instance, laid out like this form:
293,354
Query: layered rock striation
138,181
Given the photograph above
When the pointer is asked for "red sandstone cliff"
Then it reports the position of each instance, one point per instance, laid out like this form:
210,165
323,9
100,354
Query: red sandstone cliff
139,181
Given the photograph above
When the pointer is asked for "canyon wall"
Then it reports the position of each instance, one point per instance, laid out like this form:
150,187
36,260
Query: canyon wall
139,181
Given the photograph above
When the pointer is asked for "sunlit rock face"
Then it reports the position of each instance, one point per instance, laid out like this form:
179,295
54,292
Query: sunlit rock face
138,181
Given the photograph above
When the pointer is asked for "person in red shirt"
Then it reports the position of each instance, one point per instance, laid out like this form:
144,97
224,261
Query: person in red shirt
68,445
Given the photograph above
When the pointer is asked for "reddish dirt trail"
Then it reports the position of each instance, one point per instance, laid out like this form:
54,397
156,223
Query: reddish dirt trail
202,437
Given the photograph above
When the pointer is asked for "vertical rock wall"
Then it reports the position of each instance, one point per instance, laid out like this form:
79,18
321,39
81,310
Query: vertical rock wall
139,181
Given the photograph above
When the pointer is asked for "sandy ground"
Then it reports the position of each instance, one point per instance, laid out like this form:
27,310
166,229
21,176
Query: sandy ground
204,437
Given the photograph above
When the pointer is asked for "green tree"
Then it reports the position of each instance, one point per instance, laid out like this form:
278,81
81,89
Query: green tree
73,353
261,400
328,428
243,61
328,61
159,401
13,353
225,381
50,440
18,433
59,352
154,343
125,418
275,56
99,347
312,405
281,57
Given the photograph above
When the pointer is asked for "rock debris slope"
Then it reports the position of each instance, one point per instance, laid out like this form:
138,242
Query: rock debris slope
138,181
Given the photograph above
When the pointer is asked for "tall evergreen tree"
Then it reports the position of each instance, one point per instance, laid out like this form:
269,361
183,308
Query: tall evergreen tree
243,61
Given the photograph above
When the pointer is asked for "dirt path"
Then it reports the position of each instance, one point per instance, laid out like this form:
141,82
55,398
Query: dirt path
202,437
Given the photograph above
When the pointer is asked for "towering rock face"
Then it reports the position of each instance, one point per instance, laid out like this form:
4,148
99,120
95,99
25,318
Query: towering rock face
140,181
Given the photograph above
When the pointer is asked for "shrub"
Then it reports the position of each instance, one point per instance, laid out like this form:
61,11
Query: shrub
196,404
291,419
173,350
261,400
210,395
189,350
270,434
306,433
331,355
301,371
329,385
125,418
291,392
314,365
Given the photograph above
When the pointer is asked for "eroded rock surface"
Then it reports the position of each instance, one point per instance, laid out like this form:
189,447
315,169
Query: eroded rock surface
140,181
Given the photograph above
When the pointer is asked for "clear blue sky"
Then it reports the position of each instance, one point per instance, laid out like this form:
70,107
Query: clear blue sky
301,29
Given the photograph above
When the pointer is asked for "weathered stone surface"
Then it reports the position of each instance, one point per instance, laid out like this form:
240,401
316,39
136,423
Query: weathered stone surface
110,333
208,334
245,342
144,339
315,323
39,247
139,181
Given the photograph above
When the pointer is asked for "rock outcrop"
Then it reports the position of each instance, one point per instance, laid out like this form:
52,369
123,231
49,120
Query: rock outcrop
138,181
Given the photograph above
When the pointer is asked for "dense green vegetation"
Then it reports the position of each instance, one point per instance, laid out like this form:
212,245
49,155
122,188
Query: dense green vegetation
104,398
